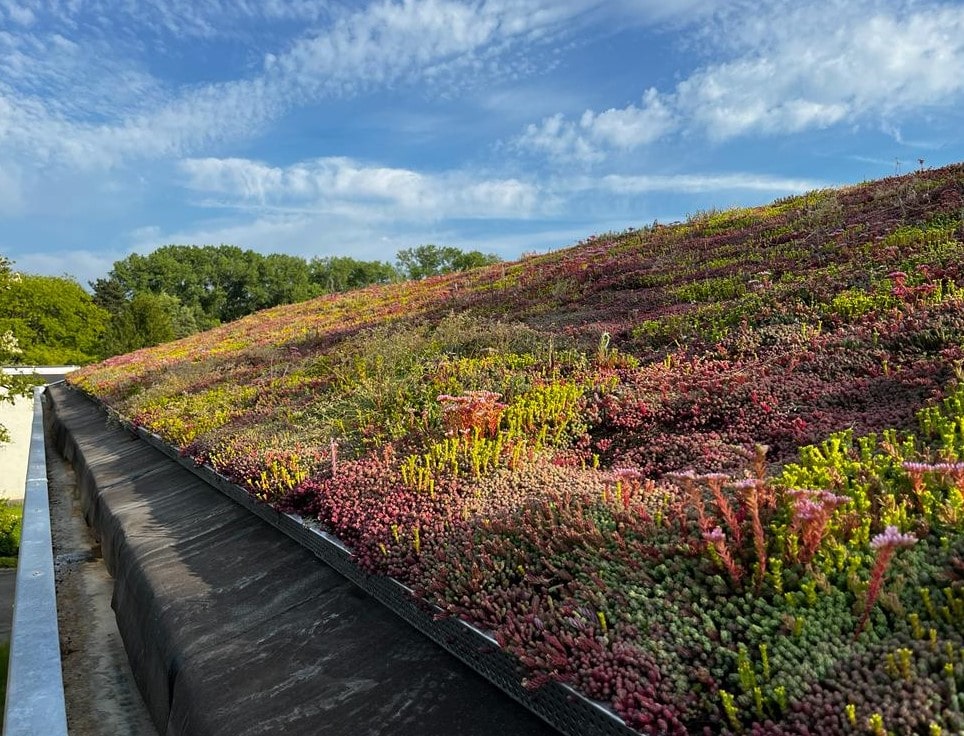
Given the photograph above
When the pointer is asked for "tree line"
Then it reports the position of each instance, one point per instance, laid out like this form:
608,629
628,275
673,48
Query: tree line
180,289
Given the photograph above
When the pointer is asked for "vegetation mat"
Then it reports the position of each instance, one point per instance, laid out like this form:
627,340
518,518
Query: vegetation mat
707,473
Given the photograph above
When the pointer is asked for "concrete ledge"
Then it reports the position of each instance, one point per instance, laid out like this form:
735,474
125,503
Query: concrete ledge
233,629
35,690
39,370
16,417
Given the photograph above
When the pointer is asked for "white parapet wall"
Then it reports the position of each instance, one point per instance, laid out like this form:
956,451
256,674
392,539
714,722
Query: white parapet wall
35,686
17,419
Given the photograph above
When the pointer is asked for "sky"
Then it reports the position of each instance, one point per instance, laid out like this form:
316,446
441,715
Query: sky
333,128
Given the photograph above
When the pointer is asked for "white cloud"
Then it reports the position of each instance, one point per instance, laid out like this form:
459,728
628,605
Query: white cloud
88,101
307,234
818,71
791,68
17,13
370,194
499,198
662,14
559,139
699,183
69,97
596,134
100,92
445,44
78,105
631,126
196,19
339,184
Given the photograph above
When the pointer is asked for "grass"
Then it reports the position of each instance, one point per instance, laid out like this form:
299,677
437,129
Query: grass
11,521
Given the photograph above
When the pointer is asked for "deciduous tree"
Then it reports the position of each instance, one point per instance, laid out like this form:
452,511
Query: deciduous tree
53,319
146,320
11,386
216,283
432,260
342,273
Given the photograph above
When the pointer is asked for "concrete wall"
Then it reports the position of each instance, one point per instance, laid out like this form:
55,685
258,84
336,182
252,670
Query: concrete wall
13,455
16,418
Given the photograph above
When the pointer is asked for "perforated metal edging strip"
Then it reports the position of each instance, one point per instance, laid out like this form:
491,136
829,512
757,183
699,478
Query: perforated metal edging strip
559,705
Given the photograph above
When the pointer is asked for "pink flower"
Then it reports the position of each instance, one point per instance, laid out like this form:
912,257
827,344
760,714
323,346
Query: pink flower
891,538
948,468
832,500
916,467
823,499
714,536
627,473
886,543
807,510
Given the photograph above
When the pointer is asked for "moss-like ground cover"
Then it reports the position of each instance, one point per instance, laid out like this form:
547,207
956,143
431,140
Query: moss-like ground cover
710,473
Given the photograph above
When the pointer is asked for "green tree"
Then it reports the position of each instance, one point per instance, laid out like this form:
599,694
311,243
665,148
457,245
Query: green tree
183,318
432,260
253,282
109,294
54,319
197,276
217,283
11,386
285,279
147,320
465,260
341,273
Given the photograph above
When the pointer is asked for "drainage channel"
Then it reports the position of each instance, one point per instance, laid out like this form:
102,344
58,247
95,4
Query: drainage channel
100,694
69,672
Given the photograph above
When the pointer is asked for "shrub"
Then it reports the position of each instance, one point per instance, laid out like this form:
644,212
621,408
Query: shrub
11,520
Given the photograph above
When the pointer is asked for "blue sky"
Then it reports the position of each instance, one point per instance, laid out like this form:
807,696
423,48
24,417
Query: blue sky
323,127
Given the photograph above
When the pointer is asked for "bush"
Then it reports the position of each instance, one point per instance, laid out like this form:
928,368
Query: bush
11,519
